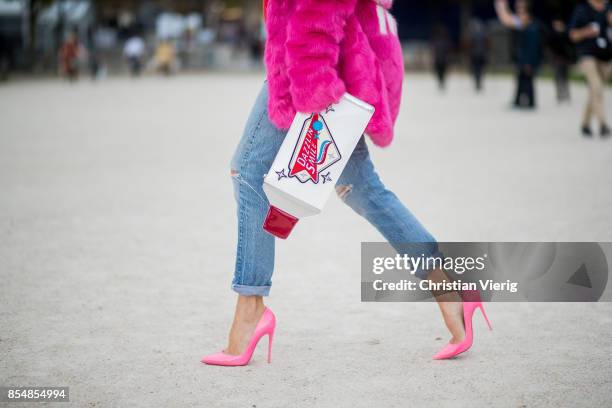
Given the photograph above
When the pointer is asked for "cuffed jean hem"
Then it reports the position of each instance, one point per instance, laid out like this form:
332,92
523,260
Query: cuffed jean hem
246,290
422,273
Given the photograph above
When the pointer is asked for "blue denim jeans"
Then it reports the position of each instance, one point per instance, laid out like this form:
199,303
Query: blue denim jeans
359,187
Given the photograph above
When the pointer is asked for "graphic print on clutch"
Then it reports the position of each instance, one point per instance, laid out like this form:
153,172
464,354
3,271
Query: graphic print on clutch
314,152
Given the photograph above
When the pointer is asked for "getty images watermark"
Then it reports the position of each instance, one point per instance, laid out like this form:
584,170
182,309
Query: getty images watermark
459,265
500,271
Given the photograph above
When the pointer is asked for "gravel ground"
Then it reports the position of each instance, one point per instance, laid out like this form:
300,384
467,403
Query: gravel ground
117,239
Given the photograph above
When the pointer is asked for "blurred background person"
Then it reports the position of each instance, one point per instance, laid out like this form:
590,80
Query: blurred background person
478,46
134,52
590,31
441,48
563,56
68,56
527,49
256,47
5,58
94,63
94,59
165,57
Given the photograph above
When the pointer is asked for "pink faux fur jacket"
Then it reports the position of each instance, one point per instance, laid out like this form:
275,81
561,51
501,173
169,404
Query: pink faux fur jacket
318,49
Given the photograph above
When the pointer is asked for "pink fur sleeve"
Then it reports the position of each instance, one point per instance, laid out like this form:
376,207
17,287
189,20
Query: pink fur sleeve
314,34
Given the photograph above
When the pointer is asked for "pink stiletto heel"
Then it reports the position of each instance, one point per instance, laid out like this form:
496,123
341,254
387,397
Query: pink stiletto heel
265,326
452,350
270,337
485,316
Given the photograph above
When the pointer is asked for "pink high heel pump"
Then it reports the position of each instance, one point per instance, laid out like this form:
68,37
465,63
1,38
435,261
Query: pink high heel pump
452,350
265,326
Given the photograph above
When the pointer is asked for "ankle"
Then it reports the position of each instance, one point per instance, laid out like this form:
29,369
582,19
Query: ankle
249,308
448,297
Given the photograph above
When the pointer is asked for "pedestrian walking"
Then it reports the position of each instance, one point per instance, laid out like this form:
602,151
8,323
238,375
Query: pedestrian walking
134,52
441,48
591,31
165,57
563,56
478,46
527,49
69,54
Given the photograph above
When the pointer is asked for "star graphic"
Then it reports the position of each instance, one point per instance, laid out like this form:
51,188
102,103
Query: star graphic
326,177
280,174
330,108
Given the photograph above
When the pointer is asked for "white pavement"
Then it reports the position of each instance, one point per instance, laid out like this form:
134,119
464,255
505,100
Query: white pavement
117,239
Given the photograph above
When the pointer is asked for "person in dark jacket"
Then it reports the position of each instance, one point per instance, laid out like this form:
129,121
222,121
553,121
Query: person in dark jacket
563,57
478,45
528,49
441,48
591,31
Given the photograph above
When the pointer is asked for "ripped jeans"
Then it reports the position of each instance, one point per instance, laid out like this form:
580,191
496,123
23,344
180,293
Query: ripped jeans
359,187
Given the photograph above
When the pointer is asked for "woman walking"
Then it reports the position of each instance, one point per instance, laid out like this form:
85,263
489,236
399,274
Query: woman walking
316,51
591,31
